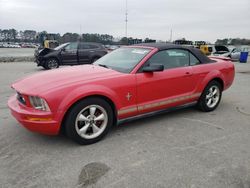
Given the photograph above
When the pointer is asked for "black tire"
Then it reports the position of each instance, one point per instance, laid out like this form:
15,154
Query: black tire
203,103
51,63
73,125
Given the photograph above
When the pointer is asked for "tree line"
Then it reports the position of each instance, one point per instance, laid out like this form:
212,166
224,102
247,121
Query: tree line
12,35
232,41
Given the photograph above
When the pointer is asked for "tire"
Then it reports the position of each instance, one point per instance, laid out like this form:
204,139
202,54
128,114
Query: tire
210,97
81,124
51,63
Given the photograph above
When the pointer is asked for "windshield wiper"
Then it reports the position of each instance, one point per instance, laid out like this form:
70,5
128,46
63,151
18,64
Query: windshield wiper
105,66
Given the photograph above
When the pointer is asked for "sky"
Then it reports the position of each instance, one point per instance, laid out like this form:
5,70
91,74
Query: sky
205,20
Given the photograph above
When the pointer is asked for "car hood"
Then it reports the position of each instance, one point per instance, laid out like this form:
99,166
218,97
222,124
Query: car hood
219,48
48,80
43,52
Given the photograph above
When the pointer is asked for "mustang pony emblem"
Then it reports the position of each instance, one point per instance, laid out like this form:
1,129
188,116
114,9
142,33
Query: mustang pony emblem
128,96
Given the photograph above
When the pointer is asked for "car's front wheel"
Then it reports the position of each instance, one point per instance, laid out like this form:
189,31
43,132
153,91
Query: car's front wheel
89,120
210,97
51,63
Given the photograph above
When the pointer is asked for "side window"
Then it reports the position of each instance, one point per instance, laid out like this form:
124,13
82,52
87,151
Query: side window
171,58
83,46
92,46
71,46
193,60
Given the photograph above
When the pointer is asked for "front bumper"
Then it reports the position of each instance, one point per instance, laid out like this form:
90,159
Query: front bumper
33,120
39,61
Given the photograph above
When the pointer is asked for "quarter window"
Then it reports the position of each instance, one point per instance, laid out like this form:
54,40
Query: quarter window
194,60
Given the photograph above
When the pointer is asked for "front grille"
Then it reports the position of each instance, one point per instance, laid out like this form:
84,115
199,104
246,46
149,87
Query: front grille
20,98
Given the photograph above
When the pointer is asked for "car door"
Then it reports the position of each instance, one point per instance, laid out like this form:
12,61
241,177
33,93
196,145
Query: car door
235,54
173,86
84,51
69,54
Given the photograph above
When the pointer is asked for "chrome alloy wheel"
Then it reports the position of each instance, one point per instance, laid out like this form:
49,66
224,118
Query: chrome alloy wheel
52,63
91,121
213,96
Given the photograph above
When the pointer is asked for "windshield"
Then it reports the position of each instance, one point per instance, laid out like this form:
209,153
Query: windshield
61,46
123,59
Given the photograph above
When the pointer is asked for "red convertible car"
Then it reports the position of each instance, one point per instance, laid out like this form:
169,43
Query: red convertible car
85,101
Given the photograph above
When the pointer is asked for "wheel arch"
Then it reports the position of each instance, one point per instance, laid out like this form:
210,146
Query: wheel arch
202,104
105,98
219,80
215,75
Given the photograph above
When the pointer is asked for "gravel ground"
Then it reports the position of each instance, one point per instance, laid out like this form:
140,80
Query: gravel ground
185,148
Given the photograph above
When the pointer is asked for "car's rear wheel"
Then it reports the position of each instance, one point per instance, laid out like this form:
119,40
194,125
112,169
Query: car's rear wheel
89,120
51,63
210,97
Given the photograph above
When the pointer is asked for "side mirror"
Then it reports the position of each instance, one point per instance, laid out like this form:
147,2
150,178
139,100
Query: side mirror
153,68
63,49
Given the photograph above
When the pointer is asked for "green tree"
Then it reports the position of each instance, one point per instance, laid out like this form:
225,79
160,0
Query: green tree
13,34
124,41
70,37
29,35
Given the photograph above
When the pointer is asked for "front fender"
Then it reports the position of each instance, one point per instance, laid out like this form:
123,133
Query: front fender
52,55
86,91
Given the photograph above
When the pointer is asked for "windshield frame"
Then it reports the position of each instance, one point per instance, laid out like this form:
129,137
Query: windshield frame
120,69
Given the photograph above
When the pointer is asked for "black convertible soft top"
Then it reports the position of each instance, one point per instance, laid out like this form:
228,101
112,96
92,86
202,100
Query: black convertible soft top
164,46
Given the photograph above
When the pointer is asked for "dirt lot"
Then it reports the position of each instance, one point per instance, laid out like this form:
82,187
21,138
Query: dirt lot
185,148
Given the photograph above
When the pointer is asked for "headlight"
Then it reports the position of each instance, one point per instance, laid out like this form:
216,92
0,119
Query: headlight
39,103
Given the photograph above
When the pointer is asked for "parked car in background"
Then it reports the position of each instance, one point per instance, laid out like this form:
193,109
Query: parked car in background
9,45
234,53
220,50
28,45
74,53
133,81
111,48
224,51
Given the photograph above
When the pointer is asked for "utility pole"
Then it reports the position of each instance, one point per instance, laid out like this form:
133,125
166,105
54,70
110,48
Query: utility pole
171,34
126,21
80,33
